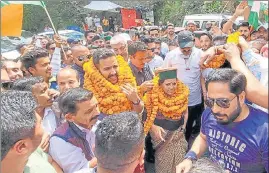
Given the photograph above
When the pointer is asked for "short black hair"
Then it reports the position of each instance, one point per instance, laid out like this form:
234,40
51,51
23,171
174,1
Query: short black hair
102,53
30,58
50,42
148,40
158,41
69,99
243,24
220,38
237,81
136,46
26,83
118,140
225,21
172,42
17,118
89,31
208,35
97,37
154,29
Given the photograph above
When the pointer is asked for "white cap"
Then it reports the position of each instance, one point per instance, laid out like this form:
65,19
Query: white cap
126,36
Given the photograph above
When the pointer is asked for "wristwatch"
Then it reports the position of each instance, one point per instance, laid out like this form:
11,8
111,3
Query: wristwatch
183,130
136,103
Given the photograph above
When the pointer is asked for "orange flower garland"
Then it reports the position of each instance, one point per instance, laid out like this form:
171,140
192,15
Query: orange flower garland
219,59
216,62
111,100
170,107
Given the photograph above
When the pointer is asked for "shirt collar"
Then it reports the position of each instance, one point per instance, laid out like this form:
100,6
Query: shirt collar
48,111
82,128
135,69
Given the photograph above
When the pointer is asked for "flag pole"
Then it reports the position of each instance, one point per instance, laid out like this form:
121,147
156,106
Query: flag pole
53,27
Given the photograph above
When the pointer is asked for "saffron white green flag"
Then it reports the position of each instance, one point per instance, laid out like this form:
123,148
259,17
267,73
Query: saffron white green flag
256,7
12,16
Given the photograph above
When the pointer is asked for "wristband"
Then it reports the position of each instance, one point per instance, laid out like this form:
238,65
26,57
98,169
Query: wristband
191,155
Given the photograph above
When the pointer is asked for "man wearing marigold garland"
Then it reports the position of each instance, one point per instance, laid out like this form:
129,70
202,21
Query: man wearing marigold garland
166,108
110,79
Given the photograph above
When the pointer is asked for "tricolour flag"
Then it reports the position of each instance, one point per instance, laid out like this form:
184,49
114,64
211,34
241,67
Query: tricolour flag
12,16
256,7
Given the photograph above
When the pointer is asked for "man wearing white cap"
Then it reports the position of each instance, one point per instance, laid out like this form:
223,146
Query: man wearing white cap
186,59
191,26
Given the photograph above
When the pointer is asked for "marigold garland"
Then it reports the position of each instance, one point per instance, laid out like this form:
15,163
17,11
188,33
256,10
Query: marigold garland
216,62
219,59
111,99
170,107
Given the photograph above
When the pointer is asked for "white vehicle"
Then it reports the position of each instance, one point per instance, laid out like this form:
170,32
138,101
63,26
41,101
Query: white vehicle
65,34
202,19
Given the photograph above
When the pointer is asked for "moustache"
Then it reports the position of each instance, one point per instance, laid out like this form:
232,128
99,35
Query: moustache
113,75
94,117
218,115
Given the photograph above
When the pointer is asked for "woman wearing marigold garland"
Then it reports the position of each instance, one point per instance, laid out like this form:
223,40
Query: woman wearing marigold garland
167,113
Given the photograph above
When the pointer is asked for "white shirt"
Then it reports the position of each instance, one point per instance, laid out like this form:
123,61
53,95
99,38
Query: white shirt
190,77
69,157
49,123
89,21
156,62
264,77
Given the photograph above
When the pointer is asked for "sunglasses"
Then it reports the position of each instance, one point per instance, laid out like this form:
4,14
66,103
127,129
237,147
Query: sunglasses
221,102
6,85
52,48
81,58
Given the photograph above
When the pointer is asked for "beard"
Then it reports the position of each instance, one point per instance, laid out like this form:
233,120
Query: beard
234,115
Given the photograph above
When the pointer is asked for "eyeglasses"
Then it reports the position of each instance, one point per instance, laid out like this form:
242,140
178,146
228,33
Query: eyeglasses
221,102
81,58
6,84
52,48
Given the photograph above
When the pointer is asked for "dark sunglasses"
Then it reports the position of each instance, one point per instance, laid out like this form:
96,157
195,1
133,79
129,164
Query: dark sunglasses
6,85
81,58
52,48
221,102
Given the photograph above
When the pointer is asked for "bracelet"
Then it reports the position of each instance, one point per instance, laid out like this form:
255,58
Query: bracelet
137,103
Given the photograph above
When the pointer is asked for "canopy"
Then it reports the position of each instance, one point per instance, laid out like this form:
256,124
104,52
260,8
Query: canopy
102,6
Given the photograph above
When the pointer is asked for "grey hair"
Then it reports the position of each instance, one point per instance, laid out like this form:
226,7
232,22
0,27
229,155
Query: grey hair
69,99
17,118
205,165
102,53
236,80
119,138
26,83
118,39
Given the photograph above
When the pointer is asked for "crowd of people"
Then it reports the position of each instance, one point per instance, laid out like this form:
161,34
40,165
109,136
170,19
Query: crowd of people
138,101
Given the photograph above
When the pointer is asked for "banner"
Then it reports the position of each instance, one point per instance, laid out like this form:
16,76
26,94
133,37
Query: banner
12,16
128,18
